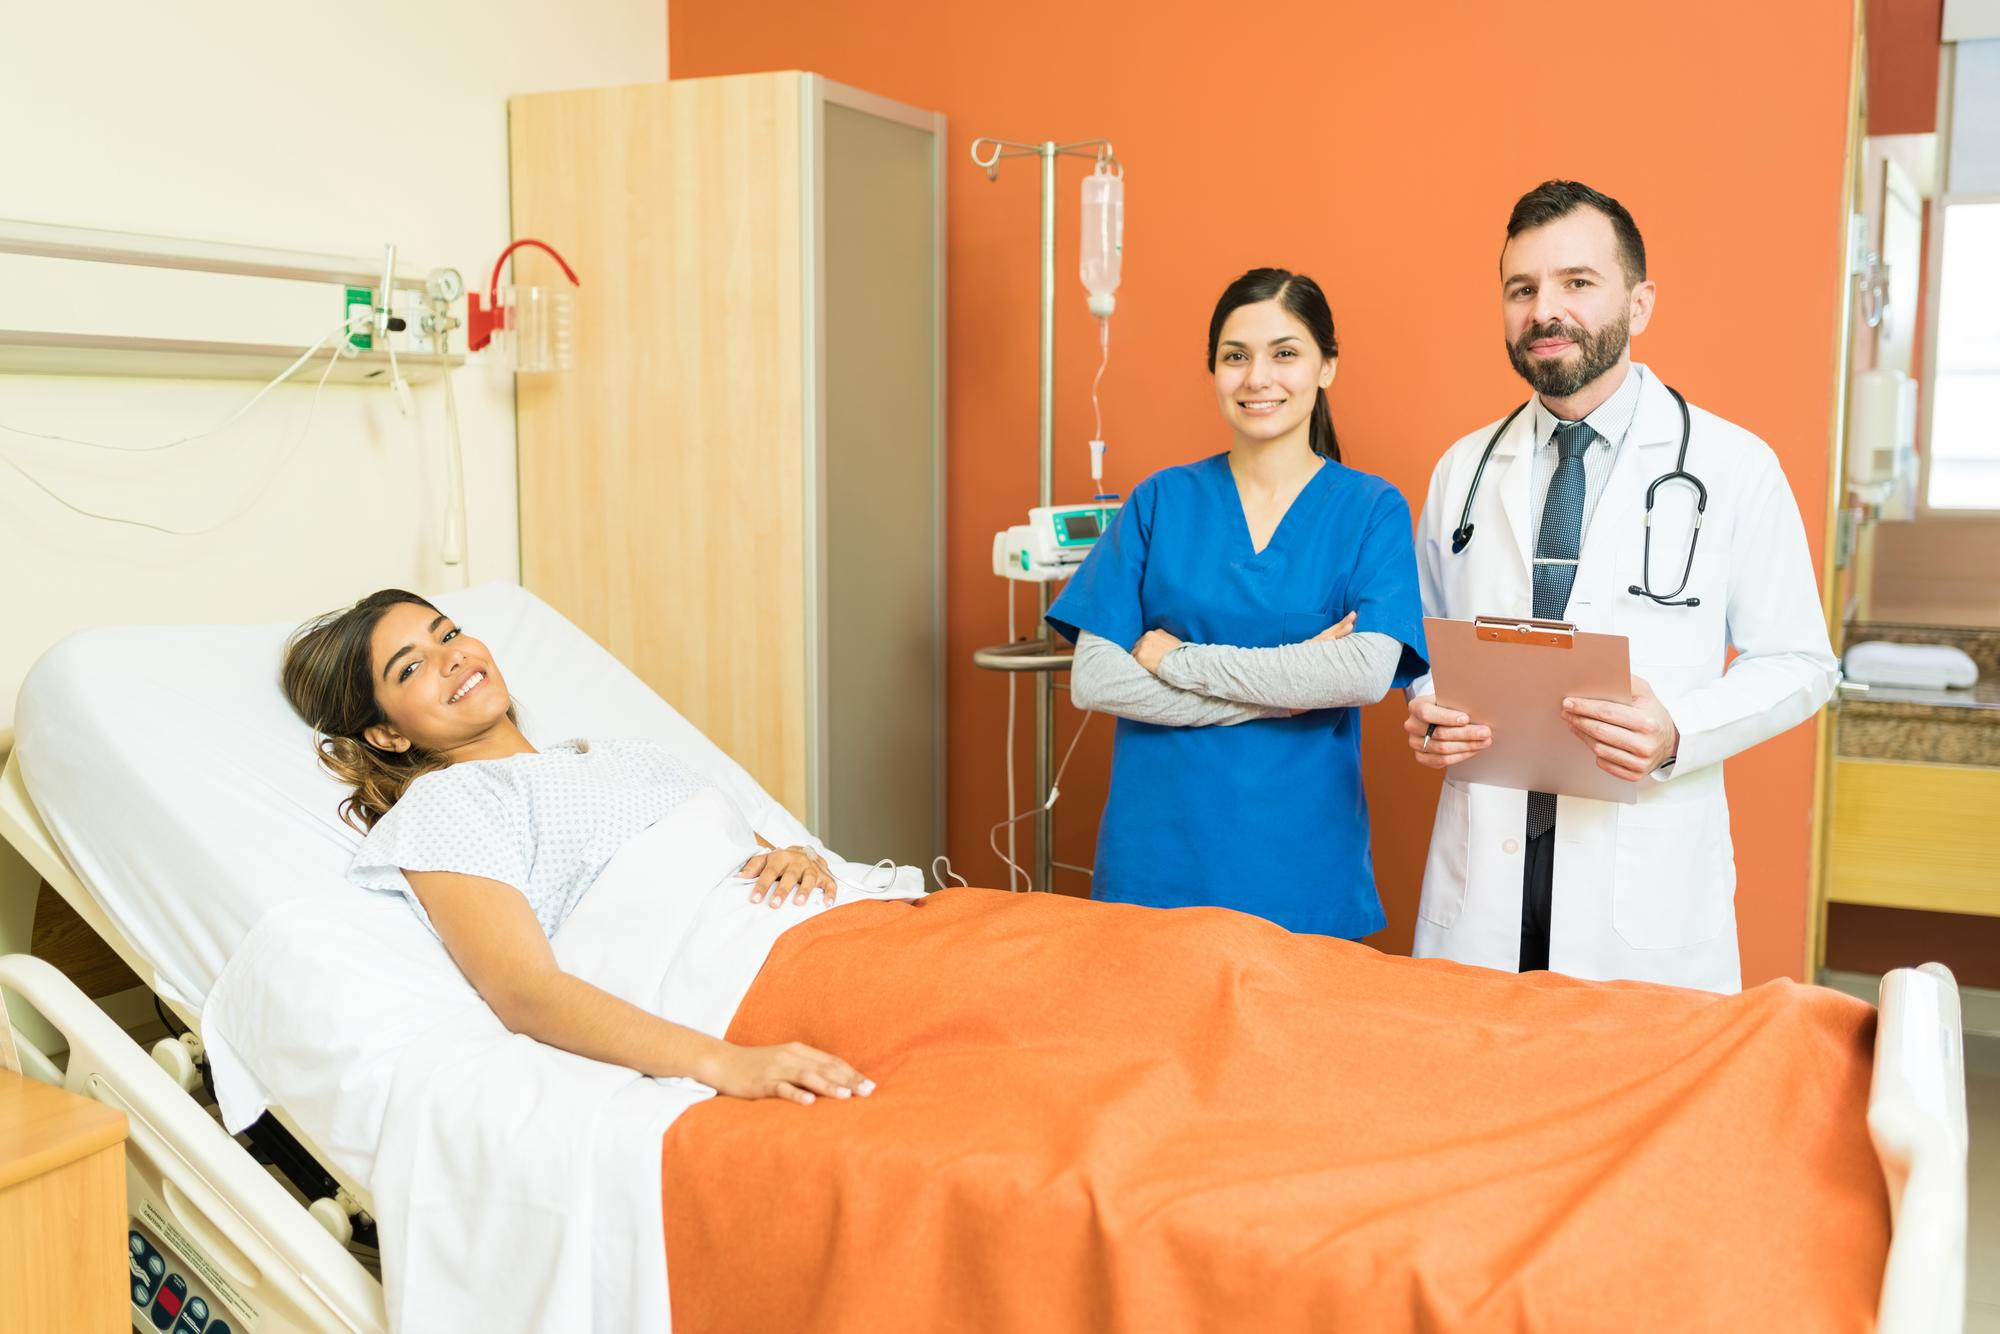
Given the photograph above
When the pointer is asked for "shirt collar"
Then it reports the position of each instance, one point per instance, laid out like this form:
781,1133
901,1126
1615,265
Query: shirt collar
1611,420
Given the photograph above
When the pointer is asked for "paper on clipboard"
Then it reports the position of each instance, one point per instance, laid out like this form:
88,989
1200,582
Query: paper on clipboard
1512,674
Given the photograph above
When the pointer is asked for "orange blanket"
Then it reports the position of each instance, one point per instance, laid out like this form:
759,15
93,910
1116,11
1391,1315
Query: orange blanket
1093,1117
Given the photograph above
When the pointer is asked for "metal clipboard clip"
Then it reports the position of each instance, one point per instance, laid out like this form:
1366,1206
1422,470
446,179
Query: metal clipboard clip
1515,630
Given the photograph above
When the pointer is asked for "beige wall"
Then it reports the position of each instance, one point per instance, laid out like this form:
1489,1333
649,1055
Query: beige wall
1942,568
323,128
1938,571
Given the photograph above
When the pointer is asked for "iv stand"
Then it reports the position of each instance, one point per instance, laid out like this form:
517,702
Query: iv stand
1042,656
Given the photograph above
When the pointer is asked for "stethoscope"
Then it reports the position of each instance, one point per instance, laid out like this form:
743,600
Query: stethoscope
1463,533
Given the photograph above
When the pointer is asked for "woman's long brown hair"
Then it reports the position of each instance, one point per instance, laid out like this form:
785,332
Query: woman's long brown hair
329,677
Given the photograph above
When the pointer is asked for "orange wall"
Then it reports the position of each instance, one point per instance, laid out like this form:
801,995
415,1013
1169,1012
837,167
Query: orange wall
1903,49
1378,148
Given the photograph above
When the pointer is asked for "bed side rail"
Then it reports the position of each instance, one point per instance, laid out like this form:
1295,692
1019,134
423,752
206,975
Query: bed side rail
1916,1116
235,1232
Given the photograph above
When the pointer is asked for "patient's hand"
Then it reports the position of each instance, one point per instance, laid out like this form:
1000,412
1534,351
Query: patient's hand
788,873
794,1071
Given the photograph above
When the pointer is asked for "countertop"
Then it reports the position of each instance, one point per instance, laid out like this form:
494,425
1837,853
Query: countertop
1924,726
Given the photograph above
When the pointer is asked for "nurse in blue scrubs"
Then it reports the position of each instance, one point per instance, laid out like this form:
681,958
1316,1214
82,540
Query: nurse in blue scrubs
1235,616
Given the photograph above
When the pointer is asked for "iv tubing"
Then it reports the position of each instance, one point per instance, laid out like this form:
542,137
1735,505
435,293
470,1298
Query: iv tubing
1096,410
1055,790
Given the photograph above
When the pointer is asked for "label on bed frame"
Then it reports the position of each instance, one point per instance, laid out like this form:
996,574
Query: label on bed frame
183,1248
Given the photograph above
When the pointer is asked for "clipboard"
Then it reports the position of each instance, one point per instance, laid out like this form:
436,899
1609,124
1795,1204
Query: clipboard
1512,674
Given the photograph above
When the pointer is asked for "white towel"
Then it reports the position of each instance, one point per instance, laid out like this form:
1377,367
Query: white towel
1910,666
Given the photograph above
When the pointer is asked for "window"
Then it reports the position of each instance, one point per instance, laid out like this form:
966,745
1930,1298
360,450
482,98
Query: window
1965,394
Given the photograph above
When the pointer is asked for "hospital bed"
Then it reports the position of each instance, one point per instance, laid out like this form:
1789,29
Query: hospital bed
135,848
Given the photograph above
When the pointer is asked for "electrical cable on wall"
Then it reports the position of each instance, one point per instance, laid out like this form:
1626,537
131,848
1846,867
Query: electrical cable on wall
452,547
360,321
346,326
341,348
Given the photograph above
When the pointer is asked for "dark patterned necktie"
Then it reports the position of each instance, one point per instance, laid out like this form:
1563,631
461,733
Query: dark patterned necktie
1557,546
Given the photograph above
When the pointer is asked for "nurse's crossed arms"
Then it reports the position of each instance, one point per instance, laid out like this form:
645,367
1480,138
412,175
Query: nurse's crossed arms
1334,669
1157,644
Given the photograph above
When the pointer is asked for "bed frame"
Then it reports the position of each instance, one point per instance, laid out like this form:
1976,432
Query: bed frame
239,1237
233,1226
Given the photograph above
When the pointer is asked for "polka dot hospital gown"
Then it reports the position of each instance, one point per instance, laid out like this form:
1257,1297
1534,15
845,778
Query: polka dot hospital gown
545,823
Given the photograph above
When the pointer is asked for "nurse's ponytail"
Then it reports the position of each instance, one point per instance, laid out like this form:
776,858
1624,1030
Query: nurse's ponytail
1302,299
1321,436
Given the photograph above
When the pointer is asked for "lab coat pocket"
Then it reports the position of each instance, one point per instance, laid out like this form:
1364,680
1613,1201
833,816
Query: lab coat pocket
1445,869
1674,876
1676,637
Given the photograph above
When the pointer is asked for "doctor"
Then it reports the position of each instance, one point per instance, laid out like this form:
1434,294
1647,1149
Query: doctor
1558,528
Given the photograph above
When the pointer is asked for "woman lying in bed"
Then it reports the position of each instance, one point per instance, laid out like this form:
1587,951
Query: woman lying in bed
1182,1118
494,841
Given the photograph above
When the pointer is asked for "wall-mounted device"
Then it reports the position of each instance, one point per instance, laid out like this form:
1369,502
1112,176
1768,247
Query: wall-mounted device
1882,442
529,326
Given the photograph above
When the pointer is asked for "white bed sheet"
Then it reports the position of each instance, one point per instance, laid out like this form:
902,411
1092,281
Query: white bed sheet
517,1186
178,783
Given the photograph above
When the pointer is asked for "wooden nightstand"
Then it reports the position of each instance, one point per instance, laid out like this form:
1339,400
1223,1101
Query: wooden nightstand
63,1254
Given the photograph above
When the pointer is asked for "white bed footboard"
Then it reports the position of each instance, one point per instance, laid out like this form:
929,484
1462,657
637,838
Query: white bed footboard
216,1217
1916,1116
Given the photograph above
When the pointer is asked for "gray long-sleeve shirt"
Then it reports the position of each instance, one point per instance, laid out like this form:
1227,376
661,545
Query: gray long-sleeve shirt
1216,685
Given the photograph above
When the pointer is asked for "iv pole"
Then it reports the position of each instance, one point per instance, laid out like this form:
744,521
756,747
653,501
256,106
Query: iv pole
1040,656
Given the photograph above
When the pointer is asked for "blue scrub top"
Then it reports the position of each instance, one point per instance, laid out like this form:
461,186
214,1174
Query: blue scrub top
1267,817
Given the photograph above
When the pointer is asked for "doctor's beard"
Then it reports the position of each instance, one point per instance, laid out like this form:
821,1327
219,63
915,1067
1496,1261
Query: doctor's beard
1597,352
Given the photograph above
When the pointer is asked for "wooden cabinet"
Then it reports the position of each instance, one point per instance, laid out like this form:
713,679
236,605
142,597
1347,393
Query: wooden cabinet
63,1255
1909,835
738,488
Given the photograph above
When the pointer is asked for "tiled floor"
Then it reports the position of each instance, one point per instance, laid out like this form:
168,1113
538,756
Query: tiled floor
1982,1255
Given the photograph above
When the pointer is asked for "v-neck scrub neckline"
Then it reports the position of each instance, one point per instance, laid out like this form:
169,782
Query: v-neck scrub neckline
1300,501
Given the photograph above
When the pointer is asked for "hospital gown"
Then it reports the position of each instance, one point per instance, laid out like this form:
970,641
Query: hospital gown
544,822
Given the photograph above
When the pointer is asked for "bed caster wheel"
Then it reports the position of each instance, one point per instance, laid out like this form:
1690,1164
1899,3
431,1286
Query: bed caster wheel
172,1055
329,1215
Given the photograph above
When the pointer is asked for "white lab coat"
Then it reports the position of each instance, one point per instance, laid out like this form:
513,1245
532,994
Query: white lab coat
1646,890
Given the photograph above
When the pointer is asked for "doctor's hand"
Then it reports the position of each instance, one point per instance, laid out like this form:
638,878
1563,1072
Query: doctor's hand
1629,740
1153,646
788,873
1456,736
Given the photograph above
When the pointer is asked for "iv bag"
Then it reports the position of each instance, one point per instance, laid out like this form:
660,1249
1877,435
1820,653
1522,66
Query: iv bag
1103,236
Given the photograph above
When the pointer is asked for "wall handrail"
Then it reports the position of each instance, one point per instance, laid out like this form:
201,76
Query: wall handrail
49,241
